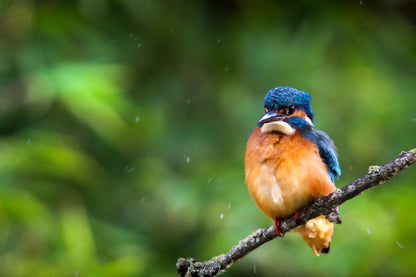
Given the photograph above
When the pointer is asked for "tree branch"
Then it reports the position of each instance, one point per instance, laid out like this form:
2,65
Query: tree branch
326,205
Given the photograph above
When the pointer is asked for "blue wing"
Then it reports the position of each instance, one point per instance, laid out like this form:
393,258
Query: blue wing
328,153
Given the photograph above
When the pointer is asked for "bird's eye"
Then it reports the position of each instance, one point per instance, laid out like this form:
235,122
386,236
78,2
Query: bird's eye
291,109
287,110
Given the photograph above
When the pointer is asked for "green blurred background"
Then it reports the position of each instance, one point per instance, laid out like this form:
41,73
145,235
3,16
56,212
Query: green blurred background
123,129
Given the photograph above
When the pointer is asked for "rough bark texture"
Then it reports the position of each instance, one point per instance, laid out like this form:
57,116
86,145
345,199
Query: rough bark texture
326,205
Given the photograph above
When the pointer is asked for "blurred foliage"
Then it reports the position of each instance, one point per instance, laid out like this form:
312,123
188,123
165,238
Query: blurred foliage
123,127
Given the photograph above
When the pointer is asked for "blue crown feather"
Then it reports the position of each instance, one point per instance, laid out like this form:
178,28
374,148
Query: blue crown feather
281,97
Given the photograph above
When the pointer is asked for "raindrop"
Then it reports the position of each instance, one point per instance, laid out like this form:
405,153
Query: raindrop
229,206
139,45
172,30
77,273
209,180
188,101
361,2
221,216
142,200
188,159
226,69
399,244
254,269
128,169
368,231
137,119
131,35
218,40
28,141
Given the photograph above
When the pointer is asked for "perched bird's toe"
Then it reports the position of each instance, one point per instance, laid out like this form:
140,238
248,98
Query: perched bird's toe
277,222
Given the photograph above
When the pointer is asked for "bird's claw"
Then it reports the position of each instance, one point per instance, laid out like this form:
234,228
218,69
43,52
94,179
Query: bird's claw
297,214
277,222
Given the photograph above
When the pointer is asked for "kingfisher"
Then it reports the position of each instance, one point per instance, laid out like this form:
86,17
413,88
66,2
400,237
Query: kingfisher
289,164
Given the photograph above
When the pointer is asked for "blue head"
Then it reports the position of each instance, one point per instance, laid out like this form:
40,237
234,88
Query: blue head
286,100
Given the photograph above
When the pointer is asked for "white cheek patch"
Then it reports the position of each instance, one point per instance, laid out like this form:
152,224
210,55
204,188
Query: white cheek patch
278,126
307,119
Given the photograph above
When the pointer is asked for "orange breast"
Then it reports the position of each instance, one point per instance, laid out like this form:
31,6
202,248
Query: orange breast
284,173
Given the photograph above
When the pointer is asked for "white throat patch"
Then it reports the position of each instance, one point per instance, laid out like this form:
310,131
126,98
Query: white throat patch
278,126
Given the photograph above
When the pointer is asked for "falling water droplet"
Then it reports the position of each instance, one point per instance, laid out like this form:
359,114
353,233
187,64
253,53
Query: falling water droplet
128,169
399,244
229,206
221,216
368,231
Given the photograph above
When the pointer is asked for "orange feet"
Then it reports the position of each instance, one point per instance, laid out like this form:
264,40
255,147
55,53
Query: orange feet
297,214
277,222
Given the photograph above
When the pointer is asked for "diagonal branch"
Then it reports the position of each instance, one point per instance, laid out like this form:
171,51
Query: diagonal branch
326,205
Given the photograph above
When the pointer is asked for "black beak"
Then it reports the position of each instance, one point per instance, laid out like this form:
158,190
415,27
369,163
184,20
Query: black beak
271,116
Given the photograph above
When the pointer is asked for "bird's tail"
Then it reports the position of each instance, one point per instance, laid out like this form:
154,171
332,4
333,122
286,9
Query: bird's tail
317,233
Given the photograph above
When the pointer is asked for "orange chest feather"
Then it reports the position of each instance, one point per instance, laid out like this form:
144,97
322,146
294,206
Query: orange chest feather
284,173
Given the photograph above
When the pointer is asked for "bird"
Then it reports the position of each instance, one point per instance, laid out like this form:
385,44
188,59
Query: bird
289,164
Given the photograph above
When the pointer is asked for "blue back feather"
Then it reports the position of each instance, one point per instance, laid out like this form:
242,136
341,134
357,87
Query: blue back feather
328,153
